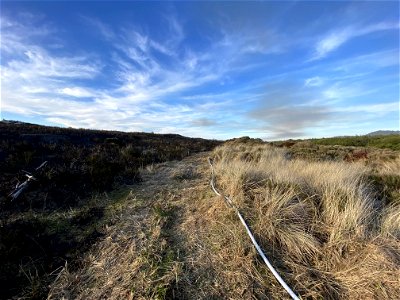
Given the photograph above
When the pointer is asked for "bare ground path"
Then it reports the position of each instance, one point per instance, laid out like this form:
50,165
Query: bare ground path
156,246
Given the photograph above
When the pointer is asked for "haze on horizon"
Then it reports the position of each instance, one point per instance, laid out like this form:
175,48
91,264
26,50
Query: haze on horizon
271,70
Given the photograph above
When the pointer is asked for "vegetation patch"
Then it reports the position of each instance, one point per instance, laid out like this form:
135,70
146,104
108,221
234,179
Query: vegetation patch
379,141
331,228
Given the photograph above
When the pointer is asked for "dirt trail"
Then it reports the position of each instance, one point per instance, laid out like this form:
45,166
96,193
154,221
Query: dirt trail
156,246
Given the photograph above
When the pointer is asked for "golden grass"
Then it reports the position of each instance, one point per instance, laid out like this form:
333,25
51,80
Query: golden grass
390,167
323,225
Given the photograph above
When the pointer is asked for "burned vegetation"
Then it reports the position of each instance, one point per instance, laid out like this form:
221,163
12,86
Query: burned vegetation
62,210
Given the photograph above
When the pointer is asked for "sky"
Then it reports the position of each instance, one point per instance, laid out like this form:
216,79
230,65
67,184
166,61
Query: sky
270,70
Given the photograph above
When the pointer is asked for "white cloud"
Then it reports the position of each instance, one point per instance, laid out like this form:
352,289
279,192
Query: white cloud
370,108
335,39
15,37
77,92
243,41
331,42
38,63
176,30
375,60
313,81
343,90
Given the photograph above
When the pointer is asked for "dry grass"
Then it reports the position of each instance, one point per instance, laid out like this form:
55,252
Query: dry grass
390,167
134,261
322,224
152,249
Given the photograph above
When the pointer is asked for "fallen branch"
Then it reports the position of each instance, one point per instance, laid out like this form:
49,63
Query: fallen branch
20,187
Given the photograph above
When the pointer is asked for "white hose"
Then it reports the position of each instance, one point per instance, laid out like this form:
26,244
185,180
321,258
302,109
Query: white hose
259,250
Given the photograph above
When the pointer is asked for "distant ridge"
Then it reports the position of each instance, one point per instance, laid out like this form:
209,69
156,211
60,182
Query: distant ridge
383,132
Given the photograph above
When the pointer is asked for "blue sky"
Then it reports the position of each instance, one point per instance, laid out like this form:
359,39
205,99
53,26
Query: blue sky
272,70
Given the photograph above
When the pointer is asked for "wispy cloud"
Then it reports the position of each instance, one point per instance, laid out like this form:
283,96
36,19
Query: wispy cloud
313,81
335,39
380,108
77,92
100,27
341,91
367,62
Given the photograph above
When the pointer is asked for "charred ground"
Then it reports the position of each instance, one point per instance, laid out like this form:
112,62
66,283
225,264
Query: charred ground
61,214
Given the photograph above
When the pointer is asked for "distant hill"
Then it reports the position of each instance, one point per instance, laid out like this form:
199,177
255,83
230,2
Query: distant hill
383,132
